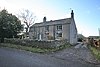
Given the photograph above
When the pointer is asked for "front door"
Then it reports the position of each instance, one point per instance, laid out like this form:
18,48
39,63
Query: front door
40,37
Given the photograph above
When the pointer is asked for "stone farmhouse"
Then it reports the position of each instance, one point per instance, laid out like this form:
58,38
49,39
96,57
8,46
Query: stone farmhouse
61,29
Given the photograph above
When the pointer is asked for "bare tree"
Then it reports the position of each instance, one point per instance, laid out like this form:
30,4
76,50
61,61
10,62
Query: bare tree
28,18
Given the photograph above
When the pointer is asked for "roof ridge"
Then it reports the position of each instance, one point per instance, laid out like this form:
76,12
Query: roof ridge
57,20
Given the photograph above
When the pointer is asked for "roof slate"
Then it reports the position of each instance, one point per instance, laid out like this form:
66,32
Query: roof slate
54,22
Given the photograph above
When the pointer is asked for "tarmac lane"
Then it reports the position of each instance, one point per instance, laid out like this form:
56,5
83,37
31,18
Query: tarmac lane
18,58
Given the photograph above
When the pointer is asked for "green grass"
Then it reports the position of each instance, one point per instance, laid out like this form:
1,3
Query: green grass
33,49
96,52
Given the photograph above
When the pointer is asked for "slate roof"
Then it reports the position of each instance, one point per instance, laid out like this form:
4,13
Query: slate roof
54,22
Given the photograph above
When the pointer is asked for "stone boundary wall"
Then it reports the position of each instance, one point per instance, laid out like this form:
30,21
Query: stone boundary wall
35,43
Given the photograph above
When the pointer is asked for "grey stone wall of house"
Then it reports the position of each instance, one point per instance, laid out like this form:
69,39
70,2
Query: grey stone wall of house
73,32
66,31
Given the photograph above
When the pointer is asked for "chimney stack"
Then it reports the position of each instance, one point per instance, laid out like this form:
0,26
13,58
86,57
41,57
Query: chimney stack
72,14
44,19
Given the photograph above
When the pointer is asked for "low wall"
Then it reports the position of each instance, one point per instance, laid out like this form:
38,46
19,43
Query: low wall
34,43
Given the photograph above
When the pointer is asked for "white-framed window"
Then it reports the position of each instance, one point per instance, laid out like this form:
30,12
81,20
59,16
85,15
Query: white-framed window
59,34
59,27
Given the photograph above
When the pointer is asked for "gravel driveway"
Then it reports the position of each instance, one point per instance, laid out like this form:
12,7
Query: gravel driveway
78,54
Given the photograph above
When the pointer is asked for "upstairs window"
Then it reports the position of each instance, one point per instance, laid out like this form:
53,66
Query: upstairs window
59,27
47,28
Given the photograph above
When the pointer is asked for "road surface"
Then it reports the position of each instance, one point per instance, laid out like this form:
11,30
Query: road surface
18,58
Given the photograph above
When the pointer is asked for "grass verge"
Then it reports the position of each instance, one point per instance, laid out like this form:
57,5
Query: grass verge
95,52
33,49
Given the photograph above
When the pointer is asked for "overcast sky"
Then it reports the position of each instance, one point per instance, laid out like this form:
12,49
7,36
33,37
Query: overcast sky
87,12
